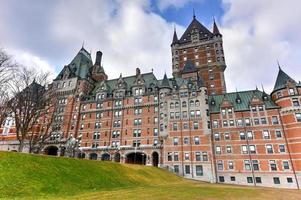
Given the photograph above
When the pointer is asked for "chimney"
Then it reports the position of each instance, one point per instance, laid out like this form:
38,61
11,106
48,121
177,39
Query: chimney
137,71
98,58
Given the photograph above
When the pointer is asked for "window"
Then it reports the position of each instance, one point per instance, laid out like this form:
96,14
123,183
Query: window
220,165
223,112
232,178
215,123
253,108
252,149
199,170
198,113
263,121
184,104
231,122
195,125
230,165
285,165
137,133
186,140
176,169
175,126
169,156
186,156
176,156
221,179
205,156
227,136
239,122
291,91
197,156
295,102
281,148
196,140
249,179
242,135
276,180
273,165
250,135
247,165
187,169
216,136
266,135
275,120
185,126
244,149
269,148
247,122
229,149
278,134
258,180
298,117
175,141
218,150
155,131
225,123
256,121
136,143
289,179
184,114
260,108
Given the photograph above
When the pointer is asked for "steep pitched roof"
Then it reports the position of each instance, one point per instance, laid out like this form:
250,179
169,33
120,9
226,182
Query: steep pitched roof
244,103
80,66
175,39
195,24
165,82
189,67
282,80
215,29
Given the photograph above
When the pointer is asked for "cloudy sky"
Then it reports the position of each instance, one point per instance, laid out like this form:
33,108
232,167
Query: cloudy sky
137,33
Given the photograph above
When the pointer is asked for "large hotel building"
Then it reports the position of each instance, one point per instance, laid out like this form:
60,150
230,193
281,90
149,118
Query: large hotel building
187,124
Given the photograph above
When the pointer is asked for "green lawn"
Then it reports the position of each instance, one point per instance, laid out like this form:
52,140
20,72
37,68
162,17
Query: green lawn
24,176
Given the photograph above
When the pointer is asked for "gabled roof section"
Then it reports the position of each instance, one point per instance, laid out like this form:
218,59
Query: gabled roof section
282,80
215,29
200,28
165,82
80,66
242,105
189,67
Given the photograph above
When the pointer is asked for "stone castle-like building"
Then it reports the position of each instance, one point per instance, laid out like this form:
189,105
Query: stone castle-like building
188,124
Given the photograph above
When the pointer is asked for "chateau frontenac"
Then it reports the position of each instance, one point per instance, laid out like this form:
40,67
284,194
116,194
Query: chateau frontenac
187,124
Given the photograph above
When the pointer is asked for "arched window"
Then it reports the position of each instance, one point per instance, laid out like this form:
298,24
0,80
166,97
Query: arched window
172,105
191,103
184,104
177,104
197,103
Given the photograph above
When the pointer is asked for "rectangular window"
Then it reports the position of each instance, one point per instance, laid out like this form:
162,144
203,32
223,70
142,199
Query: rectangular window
291,91
263,120
175,141
176,169
239,122
186,156
229,149
176,156
276,180
255,164
281,148
298,117
231,122
169,156
269,148
247,122
230,165
232,178
273,165
205,156
249,179
252,149
220,165
197,156
244,149
221,179
215,124
187,169
196,140
175,126
218,150
199,170
258,179
266,135
247,165
256,121
289,179
225,123
278,134
285,165
242,135
195,125
227,136
216,136
250,135
295,102
275,120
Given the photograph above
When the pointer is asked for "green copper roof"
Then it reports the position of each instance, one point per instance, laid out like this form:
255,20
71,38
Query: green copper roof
282,79
80,66
165,82
245,99
189,67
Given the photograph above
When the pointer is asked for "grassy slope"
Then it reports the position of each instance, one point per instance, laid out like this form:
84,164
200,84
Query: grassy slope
29,176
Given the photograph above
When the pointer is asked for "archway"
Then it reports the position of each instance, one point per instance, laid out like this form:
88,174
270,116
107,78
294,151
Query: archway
93,156
51,151
136,158
117,157
155,159
81,155
105,157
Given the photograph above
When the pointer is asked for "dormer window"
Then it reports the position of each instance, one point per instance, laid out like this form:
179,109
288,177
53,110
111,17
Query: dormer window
291,91
238,100
102,87
212,102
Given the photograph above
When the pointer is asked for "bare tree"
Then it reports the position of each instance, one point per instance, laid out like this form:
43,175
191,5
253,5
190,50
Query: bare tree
28,102
7,68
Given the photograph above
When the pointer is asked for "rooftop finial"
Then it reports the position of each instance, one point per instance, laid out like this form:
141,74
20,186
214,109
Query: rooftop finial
278,64
262,87
193,13
83,44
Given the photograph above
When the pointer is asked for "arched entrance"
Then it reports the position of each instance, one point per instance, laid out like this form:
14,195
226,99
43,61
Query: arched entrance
93,156
51,150
81,155
117,157
136,158
105,157
155,159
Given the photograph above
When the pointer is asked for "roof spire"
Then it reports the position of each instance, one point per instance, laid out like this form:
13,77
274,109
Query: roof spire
279,67
262,87
83,44
175,39
193,13
215,28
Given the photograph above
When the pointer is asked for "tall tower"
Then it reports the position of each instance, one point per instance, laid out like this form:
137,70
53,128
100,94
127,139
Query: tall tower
205,50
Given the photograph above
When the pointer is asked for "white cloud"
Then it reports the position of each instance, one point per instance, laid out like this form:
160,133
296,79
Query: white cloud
127,33
164,4
256,34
